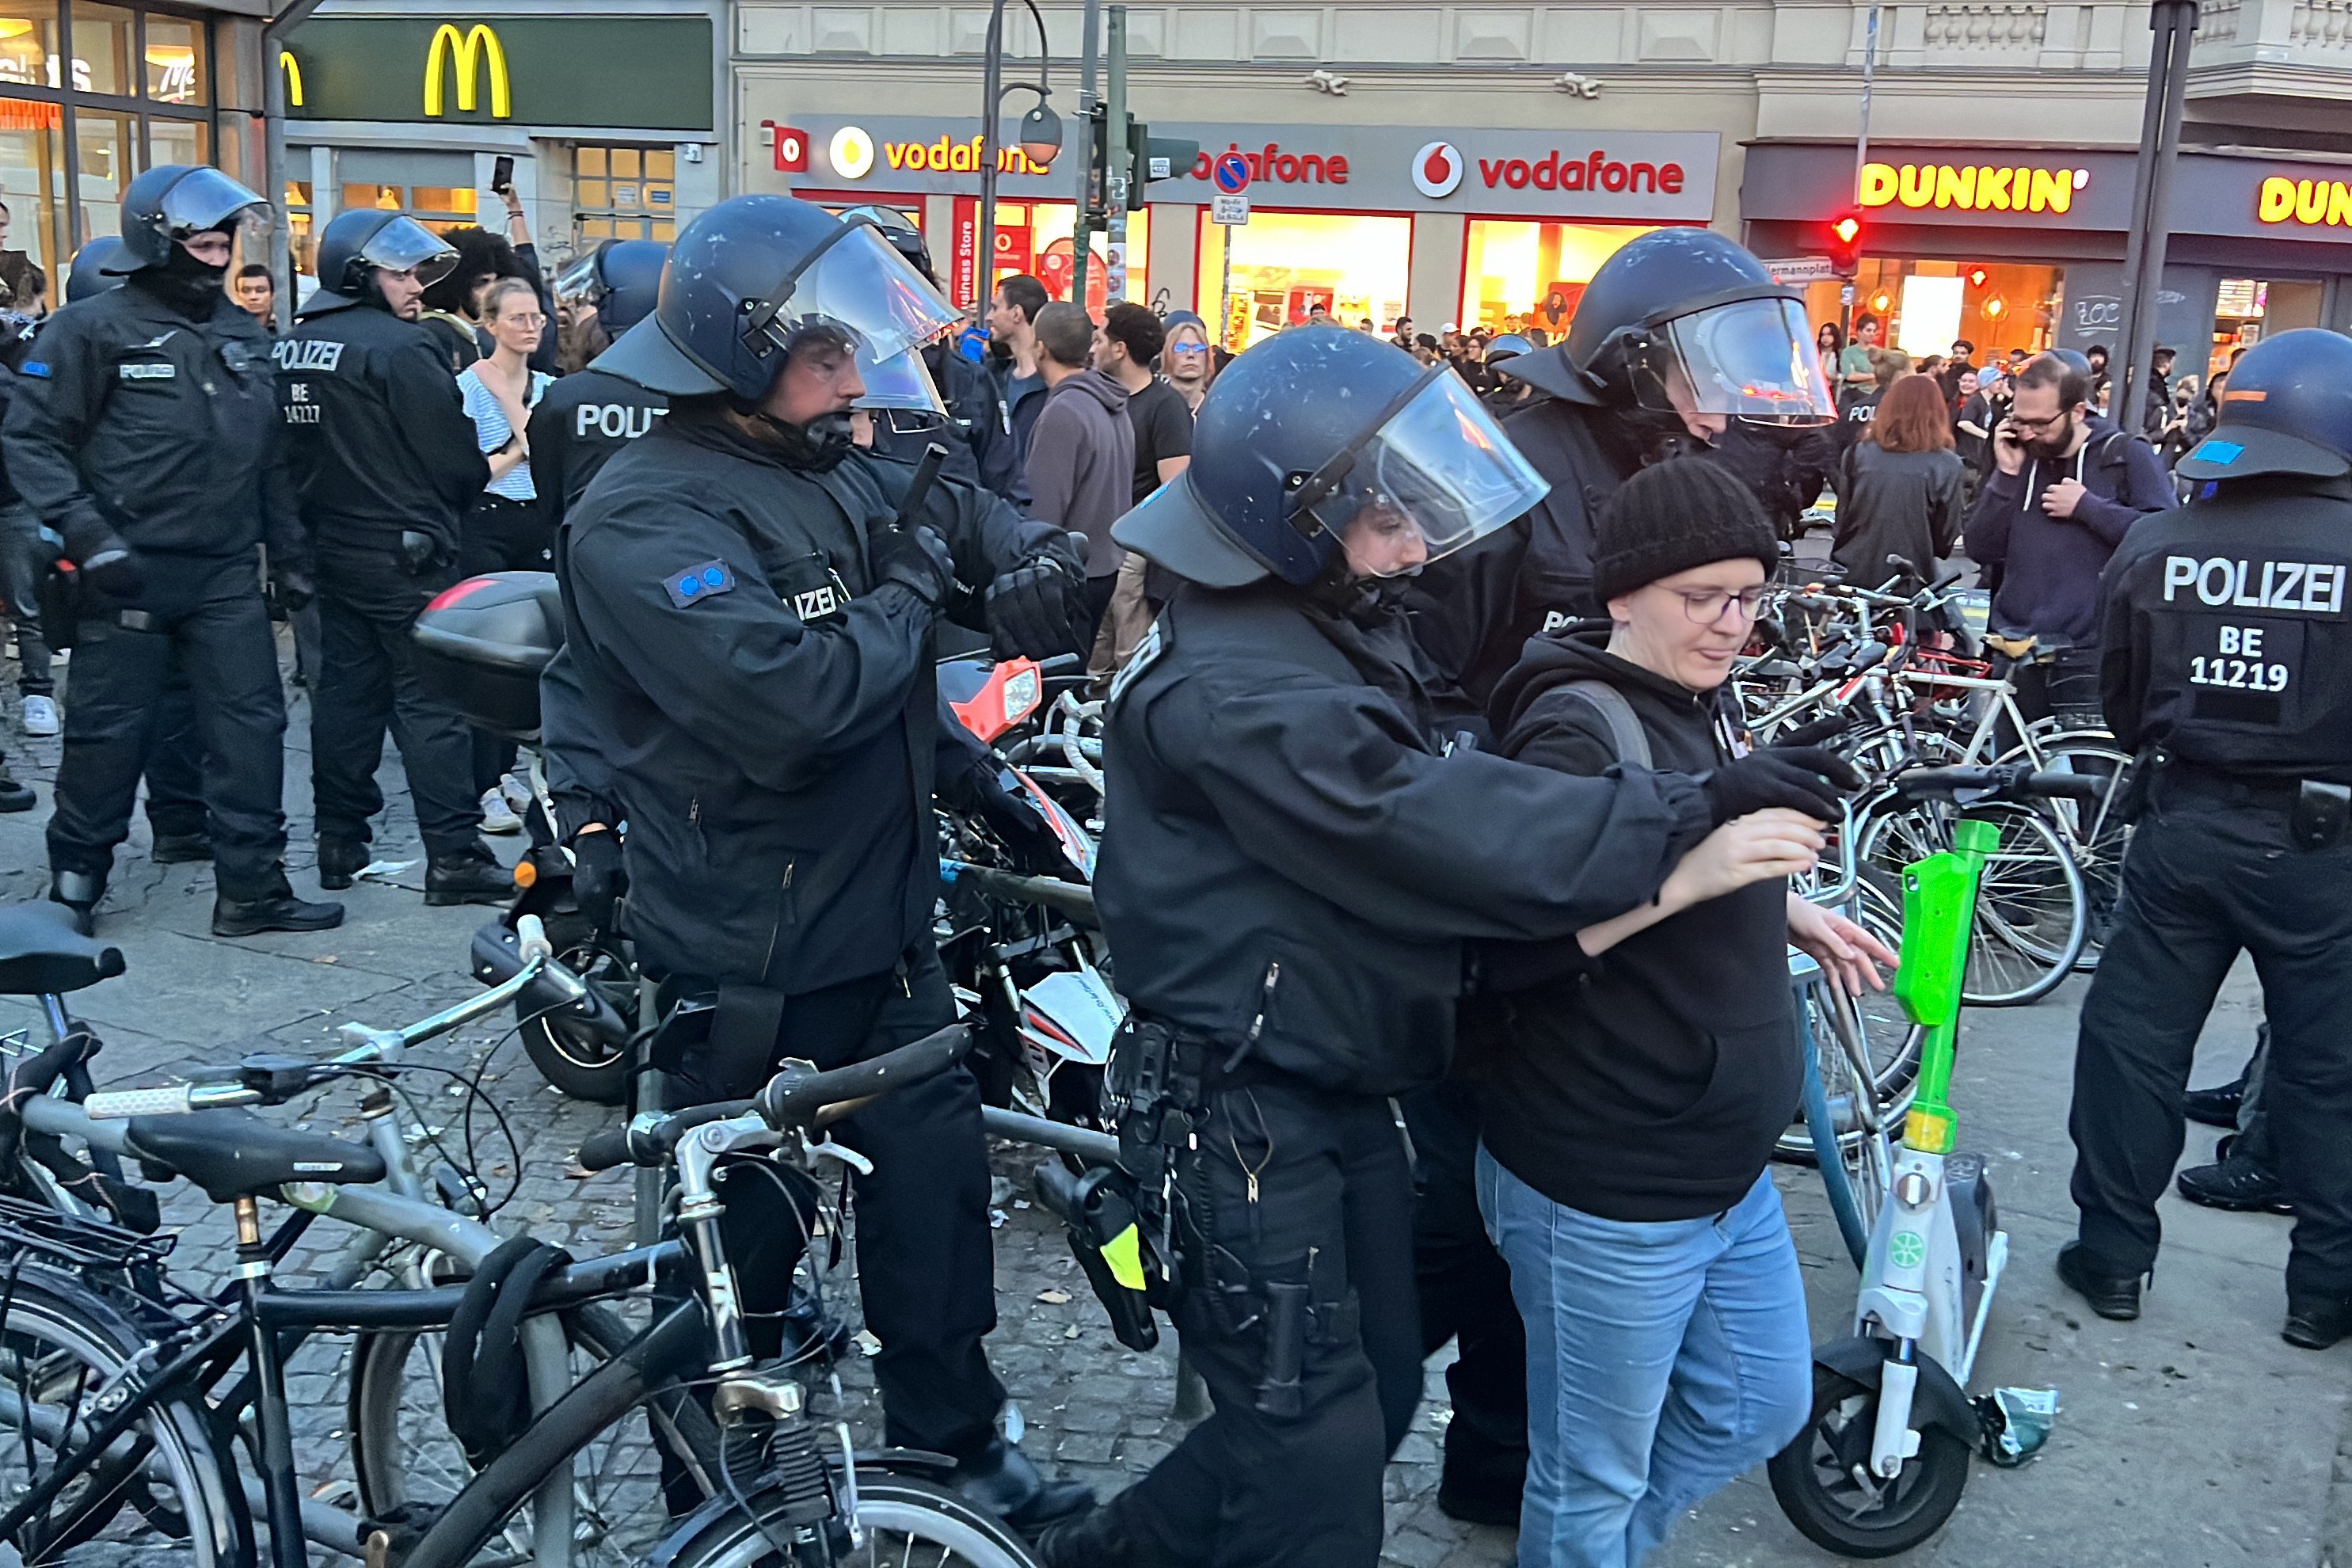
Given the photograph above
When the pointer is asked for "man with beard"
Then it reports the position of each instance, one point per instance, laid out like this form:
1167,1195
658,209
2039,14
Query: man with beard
2067,486
144,431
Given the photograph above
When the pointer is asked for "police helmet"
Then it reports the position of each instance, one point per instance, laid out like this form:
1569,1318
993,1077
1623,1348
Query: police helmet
1683,321
97,266
754,276
2286,409
173,202
1308,433
1510,345
900,231
364,238
622,278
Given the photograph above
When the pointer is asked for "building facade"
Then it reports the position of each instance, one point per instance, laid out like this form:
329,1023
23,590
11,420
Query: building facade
92,94
1475,164
605,114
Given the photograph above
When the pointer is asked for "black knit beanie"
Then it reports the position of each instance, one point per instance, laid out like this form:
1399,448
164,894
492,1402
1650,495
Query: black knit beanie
1673,516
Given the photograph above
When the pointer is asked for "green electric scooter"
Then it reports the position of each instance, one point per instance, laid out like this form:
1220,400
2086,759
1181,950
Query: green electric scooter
1881,1466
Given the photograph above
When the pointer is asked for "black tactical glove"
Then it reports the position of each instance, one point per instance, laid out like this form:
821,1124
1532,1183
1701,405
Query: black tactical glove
419,552
596,875
293,587
915,558
1801,778
1033,610
113,571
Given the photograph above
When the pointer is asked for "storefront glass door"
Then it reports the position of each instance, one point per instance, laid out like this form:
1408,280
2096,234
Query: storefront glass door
1517,276
1286,264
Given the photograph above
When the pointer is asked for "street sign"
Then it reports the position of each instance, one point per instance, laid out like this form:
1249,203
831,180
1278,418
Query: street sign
1229,210
1801,269
1230,174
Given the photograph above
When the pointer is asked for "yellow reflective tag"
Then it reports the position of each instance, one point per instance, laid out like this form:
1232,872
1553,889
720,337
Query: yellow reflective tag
1927,1131
1124,1253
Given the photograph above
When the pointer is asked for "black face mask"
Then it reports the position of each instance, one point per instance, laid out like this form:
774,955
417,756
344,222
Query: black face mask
817,446
185,283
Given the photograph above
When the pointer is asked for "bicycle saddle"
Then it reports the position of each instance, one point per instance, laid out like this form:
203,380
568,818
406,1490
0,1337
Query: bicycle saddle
41,953
235,1154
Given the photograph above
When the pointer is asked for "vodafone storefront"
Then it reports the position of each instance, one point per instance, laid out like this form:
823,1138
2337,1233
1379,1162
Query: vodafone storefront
1474,226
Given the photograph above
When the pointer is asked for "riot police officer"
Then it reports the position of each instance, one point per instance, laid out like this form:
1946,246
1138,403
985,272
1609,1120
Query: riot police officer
143,432
1681,334
174,773
590,414
1294,851
2226,667
387,464
750,605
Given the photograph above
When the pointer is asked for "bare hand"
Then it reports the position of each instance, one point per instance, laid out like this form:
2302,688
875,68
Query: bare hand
2008,451
1849,955
2061,499
1760,846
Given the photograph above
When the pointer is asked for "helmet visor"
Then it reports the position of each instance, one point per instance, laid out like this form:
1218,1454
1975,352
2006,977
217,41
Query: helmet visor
583,278
858,286
902,381
1432,476
1751,359
207,199
404,244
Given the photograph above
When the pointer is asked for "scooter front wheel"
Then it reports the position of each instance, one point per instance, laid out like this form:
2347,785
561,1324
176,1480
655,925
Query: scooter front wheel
1823,1482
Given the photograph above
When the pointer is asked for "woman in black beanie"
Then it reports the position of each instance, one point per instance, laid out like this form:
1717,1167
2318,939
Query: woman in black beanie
1650,1065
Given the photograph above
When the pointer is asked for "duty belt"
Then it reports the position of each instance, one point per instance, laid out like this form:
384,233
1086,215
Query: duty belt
2318,811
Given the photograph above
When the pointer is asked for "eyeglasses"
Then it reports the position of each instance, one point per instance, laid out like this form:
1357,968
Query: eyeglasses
2023,423
1704,606
534,322
1188,348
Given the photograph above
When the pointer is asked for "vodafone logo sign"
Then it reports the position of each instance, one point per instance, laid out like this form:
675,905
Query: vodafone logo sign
1437,169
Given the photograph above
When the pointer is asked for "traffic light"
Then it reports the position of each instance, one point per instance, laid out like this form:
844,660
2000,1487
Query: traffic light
1156,158
1845,236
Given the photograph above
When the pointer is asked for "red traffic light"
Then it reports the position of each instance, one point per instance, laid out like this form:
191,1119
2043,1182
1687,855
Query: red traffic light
1846,239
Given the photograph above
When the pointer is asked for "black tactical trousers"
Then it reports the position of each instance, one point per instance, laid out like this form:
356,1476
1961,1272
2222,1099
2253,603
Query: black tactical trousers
2212,871
925,1255
24,561
1465,1294
207,618
366,684
175,761
1288,1186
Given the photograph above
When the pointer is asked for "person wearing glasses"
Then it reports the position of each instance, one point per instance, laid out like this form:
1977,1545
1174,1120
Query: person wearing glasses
1185,359
2067,486
388,465
1630,1105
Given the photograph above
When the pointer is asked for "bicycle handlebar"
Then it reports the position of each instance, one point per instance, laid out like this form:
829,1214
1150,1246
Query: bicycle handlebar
2009,782
1068,898
796,1096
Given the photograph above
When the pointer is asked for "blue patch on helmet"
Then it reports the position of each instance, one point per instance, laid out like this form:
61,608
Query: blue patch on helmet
699,582
2214,451
35,367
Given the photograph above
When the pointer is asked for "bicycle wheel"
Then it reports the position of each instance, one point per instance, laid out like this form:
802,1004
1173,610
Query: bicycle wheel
903,1520
404,1456
2094,830
158,1491
2031,915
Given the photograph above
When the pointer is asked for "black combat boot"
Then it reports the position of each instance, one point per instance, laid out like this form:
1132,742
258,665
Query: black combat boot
472,876
340,861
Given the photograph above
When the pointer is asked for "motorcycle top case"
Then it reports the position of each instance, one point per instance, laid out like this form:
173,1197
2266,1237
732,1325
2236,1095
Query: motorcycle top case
481,644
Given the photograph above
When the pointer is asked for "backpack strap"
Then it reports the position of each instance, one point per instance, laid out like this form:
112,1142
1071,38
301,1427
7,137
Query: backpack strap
1626,736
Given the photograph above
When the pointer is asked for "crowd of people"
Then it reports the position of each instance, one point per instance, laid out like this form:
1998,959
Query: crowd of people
1425,795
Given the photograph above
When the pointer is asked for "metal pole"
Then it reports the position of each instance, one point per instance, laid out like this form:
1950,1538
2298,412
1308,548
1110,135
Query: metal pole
1080,252
273,153
1861,156
2175,21
1117,162
1225,294
983,266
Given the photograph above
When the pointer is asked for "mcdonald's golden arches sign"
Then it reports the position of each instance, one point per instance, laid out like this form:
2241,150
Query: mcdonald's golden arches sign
652,73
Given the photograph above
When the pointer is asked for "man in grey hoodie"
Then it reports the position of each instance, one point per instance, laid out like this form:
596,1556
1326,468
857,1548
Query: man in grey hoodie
1081,451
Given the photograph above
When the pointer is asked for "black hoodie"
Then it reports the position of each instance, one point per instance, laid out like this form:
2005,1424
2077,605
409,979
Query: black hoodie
1651,1082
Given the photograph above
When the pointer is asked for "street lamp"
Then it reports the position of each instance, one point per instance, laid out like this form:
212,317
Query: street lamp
1040,135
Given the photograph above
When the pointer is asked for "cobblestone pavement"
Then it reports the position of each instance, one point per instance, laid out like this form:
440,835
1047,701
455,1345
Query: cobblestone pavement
2191,1437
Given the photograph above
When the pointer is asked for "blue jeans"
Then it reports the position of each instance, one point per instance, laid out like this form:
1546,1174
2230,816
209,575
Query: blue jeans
1662,1360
